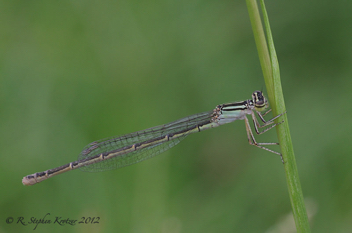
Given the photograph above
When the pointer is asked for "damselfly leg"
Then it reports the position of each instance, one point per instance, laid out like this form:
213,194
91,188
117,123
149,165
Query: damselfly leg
257,125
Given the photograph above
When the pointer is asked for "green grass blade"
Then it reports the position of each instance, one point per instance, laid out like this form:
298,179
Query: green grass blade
271,73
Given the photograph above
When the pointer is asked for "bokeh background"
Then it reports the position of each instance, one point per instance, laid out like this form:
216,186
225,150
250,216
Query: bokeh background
72,72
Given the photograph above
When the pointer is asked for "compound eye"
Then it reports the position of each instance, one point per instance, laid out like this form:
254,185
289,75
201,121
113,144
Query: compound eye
260,103
260,96
259,100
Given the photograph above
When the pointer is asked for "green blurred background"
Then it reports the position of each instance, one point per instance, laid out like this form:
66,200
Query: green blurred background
72,72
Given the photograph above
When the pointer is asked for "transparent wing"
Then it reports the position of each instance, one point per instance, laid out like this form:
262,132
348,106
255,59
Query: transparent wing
110,144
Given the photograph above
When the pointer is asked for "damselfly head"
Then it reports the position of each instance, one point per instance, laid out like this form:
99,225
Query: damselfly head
260,102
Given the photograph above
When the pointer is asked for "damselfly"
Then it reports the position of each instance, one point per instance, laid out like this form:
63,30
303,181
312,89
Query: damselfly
116,152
